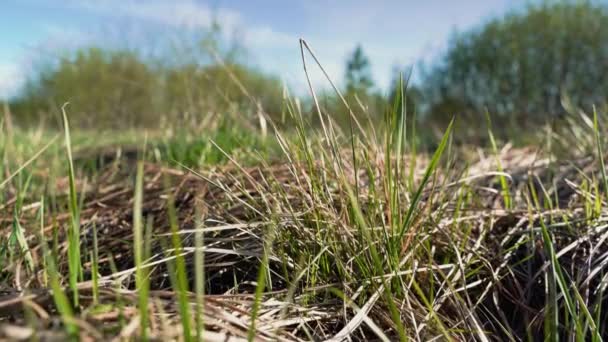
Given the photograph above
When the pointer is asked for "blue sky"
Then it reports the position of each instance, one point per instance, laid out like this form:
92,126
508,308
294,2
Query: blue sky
391,32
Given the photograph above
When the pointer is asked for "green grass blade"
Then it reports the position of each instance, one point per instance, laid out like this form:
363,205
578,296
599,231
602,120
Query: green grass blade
600,152
180,278
199,274
141,279
74,261
504,184
427,175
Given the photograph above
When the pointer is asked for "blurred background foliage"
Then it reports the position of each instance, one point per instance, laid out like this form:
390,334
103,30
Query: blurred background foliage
117,89
527,69
522,66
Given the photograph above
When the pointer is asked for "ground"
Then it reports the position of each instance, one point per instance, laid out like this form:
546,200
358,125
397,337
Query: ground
320,237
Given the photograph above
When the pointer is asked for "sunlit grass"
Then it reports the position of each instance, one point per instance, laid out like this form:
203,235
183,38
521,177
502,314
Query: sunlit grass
310,234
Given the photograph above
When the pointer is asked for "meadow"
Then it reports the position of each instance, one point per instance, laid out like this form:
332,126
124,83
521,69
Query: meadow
309,233
195,198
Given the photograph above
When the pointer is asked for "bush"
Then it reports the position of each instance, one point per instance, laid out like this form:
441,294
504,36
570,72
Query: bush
105,89
118,89
191,88
520,66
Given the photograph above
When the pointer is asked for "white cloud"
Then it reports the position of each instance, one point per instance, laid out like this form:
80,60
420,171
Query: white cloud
268,45
62,38
266,37
185,14
188,14
336,30
11,79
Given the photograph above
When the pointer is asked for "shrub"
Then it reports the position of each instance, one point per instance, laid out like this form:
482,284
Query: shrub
519,66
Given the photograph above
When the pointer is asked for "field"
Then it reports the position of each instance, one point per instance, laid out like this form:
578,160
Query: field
308,233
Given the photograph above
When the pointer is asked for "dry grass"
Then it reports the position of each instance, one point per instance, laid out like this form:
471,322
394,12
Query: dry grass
467,269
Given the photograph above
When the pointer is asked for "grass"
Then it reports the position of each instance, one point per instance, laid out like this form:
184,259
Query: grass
73,231
141,278
309,234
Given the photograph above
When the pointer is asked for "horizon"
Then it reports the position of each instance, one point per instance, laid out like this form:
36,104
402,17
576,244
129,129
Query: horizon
411,34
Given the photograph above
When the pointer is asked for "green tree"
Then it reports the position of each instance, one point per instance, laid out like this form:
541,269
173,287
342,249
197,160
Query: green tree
358,73
109,89
519,66
359,91
202,89
120,89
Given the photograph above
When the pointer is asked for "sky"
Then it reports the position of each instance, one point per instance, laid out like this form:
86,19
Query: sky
392,32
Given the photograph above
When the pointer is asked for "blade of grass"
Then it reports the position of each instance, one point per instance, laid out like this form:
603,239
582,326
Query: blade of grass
21,244
180,277
199,274
504,184
74,261
95,266
28,162
427,175
62,303
261,281
141,280
600,152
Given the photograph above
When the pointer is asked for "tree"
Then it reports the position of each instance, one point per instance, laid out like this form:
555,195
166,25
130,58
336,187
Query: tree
194,88
105,89
358,73
520,66
119,89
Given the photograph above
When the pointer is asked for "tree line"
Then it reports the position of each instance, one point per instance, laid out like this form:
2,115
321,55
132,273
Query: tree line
520,68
